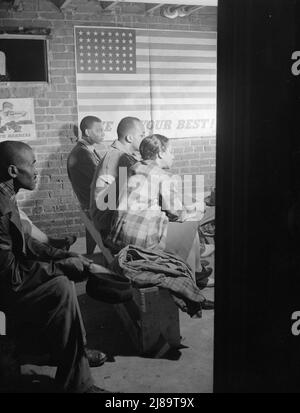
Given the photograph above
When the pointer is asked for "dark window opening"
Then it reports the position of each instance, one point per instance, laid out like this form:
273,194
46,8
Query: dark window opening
26,60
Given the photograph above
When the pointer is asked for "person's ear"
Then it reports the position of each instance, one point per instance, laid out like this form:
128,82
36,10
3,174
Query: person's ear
129,138
12,171
86,132
160,155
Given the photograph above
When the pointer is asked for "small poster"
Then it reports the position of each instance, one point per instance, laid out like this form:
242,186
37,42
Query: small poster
17,119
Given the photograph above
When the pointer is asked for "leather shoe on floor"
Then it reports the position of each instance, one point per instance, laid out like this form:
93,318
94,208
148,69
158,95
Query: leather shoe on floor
208,305
95,357
96,389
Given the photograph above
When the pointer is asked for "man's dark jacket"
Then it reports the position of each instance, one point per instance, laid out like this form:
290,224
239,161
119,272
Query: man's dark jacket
25,263
82,164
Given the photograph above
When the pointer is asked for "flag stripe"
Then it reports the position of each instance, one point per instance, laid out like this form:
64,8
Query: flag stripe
112,108
146,77
184,53
176,40
178,34
164,58
175,71
132,101
184,113
169,46
146,95
176,65
82,91
140,83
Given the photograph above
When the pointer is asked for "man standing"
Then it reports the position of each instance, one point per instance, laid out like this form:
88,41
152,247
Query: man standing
84,159
33,277
123,153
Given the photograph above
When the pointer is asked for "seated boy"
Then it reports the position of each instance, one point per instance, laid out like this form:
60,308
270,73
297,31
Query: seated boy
150,213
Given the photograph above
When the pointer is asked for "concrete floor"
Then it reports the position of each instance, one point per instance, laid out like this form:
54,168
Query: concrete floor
188,370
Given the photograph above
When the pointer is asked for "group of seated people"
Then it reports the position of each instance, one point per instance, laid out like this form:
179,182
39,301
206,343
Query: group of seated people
35,270
132,198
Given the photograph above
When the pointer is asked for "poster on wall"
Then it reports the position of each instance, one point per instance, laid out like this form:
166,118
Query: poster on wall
166,78
17,120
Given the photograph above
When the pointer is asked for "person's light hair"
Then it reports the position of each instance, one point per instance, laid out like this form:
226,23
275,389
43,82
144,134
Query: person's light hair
152,145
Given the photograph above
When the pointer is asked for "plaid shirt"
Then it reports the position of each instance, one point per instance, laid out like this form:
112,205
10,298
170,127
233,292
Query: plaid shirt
145,206
7,189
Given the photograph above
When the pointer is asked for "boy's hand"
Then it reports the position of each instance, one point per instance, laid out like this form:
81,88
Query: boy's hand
85,261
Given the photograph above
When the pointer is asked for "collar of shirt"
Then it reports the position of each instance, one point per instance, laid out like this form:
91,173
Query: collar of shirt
91,148
122,148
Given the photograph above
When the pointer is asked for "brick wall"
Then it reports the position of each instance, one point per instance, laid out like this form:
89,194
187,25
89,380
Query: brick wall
53,206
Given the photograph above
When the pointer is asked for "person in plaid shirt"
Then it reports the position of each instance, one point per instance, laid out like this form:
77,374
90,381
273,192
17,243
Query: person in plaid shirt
150,213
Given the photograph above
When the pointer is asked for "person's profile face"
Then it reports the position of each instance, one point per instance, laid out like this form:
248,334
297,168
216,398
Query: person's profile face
96,133
167,158
26,171
138,135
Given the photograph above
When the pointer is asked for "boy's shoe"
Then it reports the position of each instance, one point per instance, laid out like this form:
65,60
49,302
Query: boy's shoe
95,357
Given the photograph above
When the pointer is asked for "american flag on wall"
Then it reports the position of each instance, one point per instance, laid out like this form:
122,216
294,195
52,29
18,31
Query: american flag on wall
166,78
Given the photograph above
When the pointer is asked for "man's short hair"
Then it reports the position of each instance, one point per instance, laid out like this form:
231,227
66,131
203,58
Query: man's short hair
152,145
11,154
87,123
126,125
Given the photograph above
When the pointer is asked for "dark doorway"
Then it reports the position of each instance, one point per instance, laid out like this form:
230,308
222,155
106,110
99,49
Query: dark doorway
257,245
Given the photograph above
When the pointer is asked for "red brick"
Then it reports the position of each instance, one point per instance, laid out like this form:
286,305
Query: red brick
209,148
42,102
62,72
207,155
58,110
58,79
63,56
41,126
57,47
50,16
59,63
65,88
39,111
